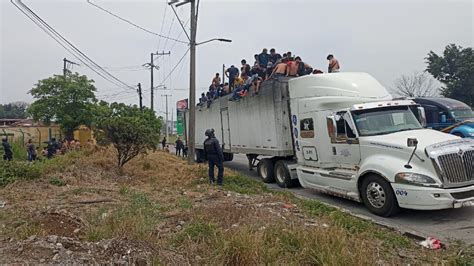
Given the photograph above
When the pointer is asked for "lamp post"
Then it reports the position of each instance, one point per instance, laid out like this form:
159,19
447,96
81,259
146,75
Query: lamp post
192,74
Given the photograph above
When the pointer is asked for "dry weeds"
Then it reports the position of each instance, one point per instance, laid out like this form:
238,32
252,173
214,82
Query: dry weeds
160,210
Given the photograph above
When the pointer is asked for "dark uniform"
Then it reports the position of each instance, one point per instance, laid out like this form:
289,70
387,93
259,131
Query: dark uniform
8,155
215,157
53,147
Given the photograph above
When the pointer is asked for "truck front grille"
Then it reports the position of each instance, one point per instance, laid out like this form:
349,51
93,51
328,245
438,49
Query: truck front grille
457,167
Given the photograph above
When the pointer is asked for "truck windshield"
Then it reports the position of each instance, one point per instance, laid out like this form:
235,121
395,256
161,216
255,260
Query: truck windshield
462,113
385,120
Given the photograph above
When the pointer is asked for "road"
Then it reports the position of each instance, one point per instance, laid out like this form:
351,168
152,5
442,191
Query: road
447,225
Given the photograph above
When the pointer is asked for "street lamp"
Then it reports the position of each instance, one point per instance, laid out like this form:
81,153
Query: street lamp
215,39
192,71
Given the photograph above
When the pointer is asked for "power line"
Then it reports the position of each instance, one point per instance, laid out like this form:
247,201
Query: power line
162,23
172,70
68,45
131,23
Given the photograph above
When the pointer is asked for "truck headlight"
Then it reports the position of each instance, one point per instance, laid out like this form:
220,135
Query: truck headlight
415,179
471,134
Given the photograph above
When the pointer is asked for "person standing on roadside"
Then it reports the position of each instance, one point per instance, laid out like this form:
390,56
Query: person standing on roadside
31,150
179,146
163,143
53,147
214,155
333,64
7,149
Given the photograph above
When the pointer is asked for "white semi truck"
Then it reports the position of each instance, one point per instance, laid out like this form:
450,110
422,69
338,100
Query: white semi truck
342,134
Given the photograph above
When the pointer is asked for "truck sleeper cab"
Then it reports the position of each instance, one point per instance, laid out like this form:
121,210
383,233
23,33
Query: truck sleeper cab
361,151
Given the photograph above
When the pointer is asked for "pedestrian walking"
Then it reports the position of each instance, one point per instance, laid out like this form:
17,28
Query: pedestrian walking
31,151
215,157
7,149
179,146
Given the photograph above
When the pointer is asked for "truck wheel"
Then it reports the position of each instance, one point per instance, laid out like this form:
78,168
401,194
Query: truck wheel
458,134
228,157
265,170
199,156
282,175
378,196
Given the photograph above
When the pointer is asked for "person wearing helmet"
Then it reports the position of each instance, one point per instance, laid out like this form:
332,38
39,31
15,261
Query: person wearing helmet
7,149
215,157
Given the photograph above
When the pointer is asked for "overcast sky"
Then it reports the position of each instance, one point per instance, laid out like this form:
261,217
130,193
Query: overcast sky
384,38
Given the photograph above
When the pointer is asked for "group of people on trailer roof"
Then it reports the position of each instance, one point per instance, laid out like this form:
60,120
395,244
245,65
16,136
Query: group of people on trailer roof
266,66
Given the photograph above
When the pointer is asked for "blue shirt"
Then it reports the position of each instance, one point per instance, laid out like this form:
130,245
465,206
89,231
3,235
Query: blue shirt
233,71
263,59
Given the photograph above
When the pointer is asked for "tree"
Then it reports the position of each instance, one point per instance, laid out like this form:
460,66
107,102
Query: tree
130,130
455,69
415,85
67,101
16,110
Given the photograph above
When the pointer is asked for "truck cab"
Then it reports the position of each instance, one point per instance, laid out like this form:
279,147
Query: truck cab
445,112
353,141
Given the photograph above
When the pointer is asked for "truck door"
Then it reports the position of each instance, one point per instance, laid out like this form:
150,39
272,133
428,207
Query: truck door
344,142
225,129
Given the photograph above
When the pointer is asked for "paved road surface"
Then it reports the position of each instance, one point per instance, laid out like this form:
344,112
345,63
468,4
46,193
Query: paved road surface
445,224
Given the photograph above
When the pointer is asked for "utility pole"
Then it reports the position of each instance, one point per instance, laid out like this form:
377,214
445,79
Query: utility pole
140,95
65,65
223,74
192,74
152,86
152,66
192,85
166,113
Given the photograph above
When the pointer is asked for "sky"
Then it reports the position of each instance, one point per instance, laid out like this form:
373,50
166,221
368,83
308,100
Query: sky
385,38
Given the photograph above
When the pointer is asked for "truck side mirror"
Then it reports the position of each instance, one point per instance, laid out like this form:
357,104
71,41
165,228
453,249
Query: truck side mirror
412,142
443,118
331,124
421,115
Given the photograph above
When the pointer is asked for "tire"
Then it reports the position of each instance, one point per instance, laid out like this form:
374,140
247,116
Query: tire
199,156
228,157
282,175
377,195
265,170
458,134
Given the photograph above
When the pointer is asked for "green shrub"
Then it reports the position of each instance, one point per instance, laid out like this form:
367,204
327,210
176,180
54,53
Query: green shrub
57,182
15,170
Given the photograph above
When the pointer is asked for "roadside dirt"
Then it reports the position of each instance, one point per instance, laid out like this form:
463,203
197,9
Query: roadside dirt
160,210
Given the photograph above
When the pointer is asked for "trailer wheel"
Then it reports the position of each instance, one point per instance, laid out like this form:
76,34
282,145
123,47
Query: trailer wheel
378,196
282,175
199,156
265,170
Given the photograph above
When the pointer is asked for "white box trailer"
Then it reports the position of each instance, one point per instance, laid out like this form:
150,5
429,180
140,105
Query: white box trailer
253,125
342,134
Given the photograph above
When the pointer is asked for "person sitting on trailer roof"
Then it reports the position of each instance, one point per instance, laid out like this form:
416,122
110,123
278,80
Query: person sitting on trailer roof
216,80
202,100
303,68
274,57
245,68
292,68
280,69
239,81
226,88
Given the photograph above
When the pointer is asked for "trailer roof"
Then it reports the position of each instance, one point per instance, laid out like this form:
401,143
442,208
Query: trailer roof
347,84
